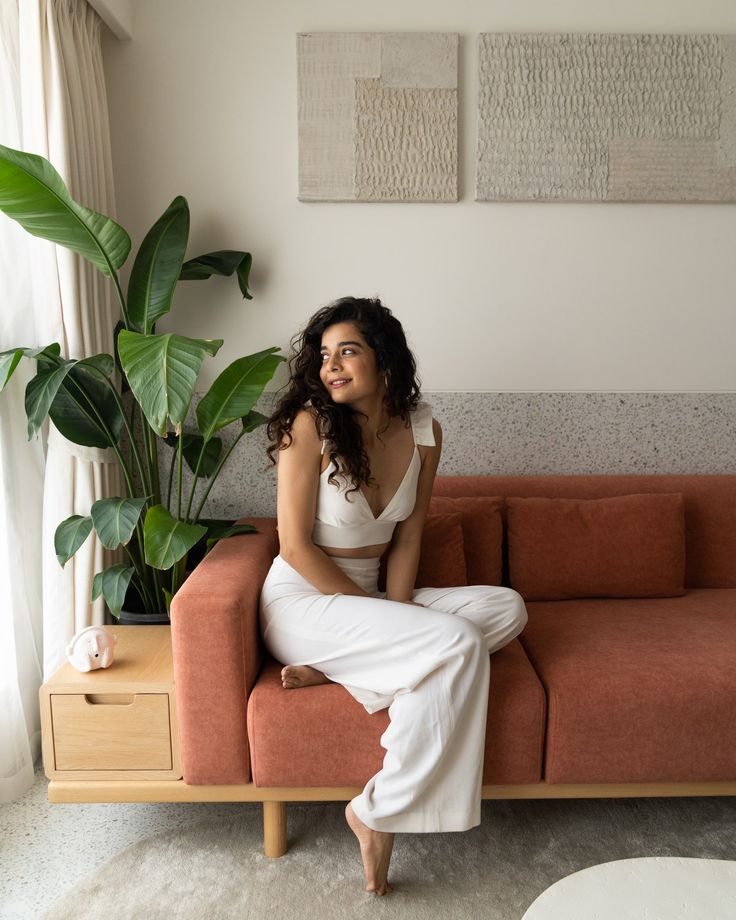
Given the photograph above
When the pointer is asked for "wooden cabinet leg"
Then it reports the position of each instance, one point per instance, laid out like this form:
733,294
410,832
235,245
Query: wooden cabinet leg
275,843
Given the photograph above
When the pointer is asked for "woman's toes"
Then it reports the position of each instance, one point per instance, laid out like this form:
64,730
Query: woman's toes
301,675
289,677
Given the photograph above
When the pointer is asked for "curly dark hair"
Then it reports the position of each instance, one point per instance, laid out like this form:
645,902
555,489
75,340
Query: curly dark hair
338,423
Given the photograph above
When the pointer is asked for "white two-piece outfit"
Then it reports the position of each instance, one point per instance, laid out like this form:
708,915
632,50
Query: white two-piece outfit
429,665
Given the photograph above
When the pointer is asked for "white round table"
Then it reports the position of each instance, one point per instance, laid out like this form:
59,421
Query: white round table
646,888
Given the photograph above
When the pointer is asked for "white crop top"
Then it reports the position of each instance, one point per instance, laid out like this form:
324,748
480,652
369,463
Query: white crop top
348,521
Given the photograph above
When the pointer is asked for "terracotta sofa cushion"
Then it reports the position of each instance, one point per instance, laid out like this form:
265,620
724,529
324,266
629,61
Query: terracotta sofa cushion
321,736
639,690
482,523
442,557
442,554
623,546
710,509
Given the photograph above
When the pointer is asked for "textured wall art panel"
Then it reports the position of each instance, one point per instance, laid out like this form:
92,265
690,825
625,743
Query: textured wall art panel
599,117
377,116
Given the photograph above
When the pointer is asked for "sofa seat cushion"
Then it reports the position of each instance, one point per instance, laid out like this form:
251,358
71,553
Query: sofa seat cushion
321,736
639,690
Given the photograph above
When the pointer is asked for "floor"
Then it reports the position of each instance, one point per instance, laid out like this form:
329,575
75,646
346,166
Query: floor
47,849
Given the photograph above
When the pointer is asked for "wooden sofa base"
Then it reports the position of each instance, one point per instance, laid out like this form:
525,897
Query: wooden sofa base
275,798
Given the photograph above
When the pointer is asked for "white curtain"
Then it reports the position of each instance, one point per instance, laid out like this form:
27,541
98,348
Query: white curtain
50,56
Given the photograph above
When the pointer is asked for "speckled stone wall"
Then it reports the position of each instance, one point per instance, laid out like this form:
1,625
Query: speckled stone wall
530,434
606,117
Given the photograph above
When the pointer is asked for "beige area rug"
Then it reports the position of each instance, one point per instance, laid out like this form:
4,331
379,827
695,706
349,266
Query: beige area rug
216,869
651,887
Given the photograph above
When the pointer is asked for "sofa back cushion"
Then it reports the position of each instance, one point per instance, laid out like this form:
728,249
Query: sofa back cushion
710,508
482,526
441,557
626,546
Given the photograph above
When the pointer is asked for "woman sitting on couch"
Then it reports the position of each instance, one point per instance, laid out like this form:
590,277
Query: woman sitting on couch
352,417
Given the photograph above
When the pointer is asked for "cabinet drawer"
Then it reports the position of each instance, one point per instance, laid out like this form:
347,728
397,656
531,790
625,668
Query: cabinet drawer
111,731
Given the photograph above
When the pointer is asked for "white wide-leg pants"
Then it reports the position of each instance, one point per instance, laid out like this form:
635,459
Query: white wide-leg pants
430,668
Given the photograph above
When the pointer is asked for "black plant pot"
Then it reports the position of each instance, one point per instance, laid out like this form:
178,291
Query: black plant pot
134,612
130,618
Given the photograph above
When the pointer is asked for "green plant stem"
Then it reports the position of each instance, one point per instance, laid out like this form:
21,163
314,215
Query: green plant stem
178,571
147,487
153,447
214,475
130,430
148,600
121,299
180,452
151,461
171,479
200,458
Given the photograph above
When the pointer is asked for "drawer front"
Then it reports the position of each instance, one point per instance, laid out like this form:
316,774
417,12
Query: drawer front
111,731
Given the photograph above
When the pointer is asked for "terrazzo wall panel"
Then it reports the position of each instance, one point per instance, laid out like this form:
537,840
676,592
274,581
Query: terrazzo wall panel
377,116
528,434
606,117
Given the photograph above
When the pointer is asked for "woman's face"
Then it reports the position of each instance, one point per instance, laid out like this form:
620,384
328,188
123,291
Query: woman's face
346,356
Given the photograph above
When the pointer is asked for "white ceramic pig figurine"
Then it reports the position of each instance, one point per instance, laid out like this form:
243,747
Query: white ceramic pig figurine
92,647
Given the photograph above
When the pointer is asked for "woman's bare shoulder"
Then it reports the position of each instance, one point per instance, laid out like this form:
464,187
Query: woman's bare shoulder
304,428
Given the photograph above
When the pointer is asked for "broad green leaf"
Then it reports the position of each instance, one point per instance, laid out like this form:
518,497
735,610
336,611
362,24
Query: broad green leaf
115,519
157,266
75,397
101,363
9,359
253,420
223,262
166,539
41,392
113,585
33,193
236,390
162,372
232,531
84,409
191,447
70,535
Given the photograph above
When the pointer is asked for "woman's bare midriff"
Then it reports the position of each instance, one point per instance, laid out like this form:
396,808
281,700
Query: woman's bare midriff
360,552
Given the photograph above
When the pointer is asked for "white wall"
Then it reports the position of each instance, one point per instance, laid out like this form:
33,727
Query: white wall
493,296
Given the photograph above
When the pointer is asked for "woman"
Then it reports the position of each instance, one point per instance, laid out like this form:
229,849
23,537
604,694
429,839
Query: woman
351,417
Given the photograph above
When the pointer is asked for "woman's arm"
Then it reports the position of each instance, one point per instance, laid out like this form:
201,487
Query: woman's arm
403,556
298,472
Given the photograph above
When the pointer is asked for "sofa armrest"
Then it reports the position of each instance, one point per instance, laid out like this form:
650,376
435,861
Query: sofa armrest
217,652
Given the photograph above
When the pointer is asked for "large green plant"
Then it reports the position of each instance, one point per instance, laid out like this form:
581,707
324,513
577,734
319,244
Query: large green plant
83,401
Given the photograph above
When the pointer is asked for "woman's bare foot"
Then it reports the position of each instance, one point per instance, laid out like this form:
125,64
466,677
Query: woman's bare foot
294,676
375,848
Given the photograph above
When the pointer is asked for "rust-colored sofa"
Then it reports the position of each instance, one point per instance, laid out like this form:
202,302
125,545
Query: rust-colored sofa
623,682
